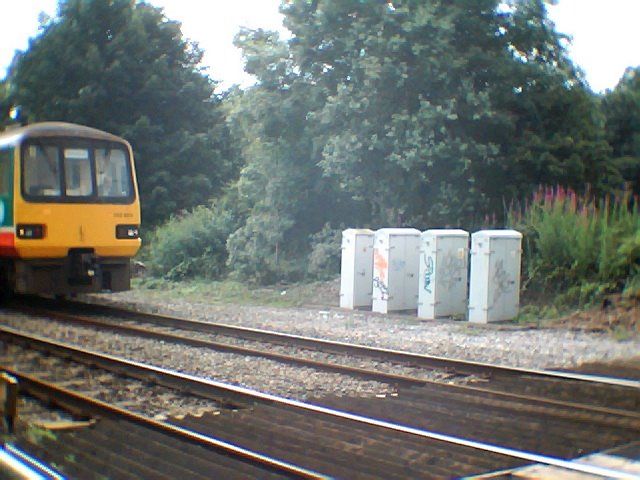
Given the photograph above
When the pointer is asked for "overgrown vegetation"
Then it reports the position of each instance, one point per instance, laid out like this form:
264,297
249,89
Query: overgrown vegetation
324,259
192,245
578,248
432,114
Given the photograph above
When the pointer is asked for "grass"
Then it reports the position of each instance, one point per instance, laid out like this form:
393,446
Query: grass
535,314
226,292
37,435
622,333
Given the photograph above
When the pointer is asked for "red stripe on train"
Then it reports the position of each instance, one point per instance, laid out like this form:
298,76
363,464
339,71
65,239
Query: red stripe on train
7,244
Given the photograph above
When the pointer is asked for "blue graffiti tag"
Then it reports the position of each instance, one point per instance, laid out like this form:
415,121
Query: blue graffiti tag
428,273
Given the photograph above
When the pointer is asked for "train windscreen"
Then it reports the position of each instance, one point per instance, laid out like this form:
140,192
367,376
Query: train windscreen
80,171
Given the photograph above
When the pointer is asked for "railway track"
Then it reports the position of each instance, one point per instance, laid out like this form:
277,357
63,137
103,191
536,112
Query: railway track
574,391
119,444
330,441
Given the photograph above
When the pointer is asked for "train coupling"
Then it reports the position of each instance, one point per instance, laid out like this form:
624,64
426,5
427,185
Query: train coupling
83,266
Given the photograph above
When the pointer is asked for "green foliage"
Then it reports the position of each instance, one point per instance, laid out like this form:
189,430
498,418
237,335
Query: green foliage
324,259
535,313
422,116
191,245
254,250
578,249
632,287
622,333
280,190
434,114
585,294
38,435
122,66
621,108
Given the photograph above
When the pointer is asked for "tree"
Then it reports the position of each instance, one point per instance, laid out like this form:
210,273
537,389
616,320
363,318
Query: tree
621,108
426,114
282,193
439,111
121,66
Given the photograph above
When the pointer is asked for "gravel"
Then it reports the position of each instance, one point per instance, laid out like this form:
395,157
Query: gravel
252,372
503,344
153,401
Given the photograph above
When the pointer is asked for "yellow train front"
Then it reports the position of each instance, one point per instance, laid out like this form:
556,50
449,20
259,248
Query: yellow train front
69,210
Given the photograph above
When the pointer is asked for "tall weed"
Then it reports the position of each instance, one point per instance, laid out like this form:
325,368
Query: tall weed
578,247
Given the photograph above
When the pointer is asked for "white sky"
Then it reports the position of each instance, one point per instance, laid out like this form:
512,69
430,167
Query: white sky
606,36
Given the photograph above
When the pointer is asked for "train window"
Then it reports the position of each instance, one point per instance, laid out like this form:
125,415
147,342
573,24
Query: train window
5,173
41,170
113,173
77,172
6,194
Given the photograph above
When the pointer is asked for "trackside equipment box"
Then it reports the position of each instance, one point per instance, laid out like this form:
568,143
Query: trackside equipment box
442,283
494,286
356,268
396,253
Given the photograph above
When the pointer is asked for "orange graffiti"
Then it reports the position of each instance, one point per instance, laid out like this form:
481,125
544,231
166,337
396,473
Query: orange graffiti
380,265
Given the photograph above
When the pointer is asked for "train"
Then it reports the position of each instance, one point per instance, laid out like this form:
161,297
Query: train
69,210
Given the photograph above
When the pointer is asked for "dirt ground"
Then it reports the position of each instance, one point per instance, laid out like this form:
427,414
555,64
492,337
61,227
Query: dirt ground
616,314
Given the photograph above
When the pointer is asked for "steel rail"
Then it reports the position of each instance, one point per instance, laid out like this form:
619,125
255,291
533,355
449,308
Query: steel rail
432,361
16,464
225,347
572,407
32,462
79,402
256,396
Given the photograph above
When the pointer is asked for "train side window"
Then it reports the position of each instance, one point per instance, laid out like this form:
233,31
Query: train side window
77,170
41,170
5,173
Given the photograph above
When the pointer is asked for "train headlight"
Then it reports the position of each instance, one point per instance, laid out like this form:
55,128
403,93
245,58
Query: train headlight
127,231
30,231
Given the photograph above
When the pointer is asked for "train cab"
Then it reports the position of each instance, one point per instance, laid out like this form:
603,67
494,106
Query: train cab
69,210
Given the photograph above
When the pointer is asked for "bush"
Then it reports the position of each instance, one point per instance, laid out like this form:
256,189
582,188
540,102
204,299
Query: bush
191,245
576,248
324,259
259,251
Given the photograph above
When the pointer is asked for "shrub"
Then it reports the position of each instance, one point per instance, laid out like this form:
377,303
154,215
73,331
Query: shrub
191,245
578,248
259,252
324,259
